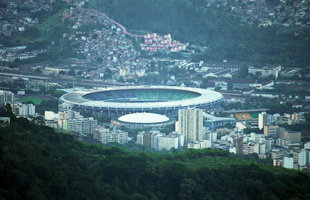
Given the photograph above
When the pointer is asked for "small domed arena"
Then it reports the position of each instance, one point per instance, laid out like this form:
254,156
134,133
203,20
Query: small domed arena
141,120
131,99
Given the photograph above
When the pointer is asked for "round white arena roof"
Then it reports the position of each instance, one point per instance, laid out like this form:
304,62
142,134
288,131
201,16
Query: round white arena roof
143,118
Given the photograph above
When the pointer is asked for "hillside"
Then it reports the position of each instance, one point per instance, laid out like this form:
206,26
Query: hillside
38,163
224,33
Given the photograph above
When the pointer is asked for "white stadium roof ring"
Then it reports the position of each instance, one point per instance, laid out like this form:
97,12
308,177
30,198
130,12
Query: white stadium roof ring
142,99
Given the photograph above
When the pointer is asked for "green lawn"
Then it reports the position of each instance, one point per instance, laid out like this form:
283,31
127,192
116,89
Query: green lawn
34,100
254,115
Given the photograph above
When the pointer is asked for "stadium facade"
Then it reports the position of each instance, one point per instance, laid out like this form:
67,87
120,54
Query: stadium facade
156,99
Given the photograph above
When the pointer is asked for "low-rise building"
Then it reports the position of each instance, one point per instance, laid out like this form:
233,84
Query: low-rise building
293,136
201,144
265,71
111,136
271,130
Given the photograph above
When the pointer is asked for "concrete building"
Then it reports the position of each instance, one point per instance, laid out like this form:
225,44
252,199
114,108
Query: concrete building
168,142
190,122
288,162
303,157
271,130
69,114
262,120
212,122
50,115
293,136
248,147
277,154
80,125
212,136
25,110
74,125
6,97
307,145
155,135
89,126
144,138
265,71
158,141
260,148
202,144
115,136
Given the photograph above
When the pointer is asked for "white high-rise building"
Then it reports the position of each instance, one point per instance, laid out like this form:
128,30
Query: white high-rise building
6,97
74,125
190,122
303,157
89,125
140,138
155,135
26,110
262,120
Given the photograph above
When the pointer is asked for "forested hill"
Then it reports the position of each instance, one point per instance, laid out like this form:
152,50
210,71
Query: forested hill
222,31
37,163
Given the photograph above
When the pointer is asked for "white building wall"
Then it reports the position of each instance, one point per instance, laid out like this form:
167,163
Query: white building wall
139,139
288,162
50,115
191,124
167,143
262,120
307,146
303,157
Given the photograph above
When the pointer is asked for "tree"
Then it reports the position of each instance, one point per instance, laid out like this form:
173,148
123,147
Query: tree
6,111
187,188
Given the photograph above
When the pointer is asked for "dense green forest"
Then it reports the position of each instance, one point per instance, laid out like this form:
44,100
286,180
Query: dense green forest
38,163
224,34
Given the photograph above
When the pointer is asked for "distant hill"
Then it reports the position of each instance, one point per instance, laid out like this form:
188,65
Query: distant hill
38,163
225,33
222,31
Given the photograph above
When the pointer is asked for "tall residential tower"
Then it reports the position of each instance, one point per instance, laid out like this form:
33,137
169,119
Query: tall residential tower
190,124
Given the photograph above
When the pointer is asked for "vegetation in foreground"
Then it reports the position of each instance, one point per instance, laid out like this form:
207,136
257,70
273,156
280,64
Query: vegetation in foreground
38,163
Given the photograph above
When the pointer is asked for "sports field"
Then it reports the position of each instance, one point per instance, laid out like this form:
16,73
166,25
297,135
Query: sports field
243,116
34,100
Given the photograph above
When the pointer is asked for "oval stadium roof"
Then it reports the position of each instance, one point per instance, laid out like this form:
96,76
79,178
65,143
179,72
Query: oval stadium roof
205,97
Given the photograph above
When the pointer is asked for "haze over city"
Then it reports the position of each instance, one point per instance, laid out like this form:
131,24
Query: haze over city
166,99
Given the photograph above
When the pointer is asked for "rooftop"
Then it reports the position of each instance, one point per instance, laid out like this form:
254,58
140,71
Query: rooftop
143,118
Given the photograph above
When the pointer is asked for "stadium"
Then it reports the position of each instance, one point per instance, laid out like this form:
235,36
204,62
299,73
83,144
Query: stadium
129,99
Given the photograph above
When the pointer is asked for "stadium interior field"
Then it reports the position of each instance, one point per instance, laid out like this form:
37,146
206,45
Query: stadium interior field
141,95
